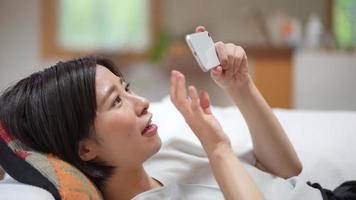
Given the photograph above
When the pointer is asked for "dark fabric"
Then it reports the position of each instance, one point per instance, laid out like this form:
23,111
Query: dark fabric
23,172
346,191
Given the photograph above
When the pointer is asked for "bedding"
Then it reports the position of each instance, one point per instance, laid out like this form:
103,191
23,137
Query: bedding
324,140
11,189
183,168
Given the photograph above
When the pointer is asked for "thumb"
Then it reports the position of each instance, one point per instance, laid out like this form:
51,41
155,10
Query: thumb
200,29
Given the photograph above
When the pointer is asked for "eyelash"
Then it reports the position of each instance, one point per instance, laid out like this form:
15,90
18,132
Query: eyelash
118,99
127,87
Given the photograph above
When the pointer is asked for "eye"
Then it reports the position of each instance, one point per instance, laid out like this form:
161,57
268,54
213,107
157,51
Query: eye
127,87
116,101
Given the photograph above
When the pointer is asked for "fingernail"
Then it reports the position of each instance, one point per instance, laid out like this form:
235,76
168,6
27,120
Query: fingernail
178,77
174,73
217,70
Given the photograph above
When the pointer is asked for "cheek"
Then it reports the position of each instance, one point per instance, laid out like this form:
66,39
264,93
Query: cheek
115,124
117,133
121,142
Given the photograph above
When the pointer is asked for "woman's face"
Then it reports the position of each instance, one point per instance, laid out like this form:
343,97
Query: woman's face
121,118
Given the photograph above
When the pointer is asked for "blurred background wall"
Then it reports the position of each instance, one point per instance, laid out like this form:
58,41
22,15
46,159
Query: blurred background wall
290,69
230,20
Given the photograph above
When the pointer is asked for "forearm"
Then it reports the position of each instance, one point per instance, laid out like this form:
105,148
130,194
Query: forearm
271,145
230,174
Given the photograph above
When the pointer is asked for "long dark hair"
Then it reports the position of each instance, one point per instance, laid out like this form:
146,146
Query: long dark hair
54,109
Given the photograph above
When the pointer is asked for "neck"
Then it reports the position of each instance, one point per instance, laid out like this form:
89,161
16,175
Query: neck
127,183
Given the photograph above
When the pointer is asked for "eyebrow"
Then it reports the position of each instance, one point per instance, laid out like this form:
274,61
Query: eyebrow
110,90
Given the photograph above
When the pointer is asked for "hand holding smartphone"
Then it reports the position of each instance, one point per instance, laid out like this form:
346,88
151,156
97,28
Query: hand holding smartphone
203,48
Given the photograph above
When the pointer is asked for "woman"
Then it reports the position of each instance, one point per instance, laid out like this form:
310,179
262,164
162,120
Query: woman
84,112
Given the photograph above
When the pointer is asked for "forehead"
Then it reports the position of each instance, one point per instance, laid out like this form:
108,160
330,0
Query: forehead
103,73
104,80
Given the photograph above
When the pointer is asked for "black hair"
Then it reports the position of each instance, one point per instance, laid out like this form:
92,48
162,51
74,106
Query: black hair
54,109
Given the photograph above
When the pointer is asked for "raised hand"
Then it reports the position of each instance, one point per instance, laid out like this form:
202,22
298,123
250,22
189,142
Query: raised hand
272,148
197,113
232,73
229,172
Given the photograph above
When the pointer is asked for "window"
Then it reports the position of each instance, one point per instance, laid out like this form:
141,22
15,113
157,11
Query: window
71,28
344,22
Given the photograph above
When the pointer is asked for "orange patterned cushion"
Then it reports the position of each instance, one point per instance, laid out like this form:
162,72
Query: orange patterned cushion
58,177
72,183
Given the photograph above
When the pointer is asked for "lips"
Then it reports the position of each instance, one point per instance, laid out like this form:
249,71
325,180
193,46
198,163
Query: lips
147,125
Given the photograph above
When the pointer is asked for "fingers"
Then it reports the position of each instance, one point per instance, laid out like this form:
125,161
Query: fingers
205,102
240,59
195,102
178,92
223,58
181,92
180,99
216,71
173,86
244,63
200,29
231,51
222,53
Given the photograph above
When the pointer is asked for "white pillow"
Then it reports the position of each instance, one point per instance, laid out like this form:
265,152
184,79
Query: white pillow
12,189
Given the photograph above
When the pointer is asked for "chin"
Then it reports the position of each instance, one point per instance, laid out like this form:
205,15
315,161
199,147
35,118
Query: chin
158,145
154,147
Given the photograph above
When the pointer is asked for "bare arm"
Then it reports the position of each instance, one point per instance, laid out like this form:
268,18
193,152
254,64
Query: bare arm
272,148
232,177
234,181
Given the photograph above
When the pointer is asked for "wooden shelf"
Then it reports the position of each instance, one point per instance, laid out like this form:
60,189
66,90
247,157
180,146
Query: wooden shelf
179,49
271,70
264,51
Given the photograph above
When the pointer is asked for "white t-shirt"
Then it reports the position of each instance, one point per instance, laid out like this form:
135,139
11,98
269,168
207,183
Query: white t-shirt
183,168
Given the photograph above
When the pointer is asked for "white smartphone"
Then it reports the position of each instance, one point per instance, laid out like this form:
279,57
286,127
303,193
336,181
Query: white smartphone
203,48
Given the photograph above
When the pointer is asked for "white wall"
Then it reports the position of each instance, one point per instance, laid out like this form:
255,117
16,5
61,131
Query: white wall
19,39
228,19
320,81
325,80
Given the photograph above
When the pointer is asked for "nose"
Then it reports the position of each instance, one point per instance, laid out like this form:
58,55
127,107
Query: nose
141,105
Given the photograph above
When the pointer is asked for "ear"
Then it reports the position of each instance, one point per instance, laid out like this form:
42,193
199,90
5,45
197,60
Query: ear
87,149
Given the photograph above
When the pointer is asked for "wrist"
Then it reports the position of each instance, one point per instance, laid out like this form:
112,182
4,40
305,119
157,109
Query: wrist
242,91
218,150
